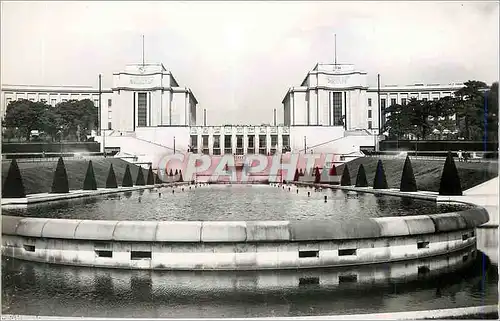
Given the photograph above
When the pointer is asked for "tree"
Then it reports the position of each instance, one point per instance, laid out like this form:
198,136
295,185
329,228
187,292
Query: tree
450,181
171,173
77,116
408,182
13,186
60,182
492,104
90,183
24,115
398,121
111,180
127,178
345,180
140,178
177,172
317,175
361,180
470,108
419,117
333,170
380,181
180,176
150,180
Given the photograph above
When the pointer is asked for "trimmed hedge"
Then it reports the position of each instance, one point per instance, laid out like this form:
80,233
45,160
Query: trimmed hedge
13,186
60,182
90,183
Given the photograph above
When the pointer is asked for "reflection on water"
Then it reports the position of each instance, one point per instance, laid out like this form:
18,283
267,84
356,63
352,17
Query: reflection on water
465,278
239,202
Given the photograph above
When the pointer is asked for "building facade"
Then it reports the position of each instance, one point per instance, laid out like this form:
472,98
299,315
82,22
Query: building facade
333,110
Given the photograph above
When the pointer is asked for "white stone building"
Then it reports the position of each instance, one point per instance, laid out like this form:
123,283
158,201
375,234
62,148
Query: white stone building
147,113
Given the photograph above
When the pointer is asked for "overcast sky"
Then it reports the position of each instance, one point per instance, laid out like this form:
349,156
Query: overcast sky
239,58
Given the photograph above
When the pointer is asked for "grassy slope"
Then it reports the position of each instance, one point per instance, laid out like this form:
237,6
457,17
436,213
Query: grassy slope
427,172
37,176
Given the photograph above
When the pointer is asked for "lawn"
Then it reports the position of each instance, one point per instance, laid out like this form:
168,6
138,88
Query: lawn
427,172
37,176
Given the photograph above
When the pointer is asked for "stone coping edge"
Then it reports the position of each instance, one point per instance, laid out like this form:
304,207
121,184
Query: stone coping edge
409,315
242,231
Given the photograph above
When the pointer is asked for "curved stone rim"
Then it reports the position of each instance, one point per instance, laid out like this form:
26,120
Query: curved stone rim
243,231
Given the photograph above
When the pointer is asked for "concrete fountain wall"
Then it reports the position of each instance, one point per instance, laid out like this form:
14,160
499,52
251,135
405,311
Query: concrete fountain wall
251,245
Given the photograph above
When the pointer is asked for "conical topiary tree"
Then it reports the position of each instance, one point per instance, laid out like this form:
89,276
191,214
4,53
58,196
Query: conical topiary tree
176,172
301,173
60,182
140,178
127,178
361,180
13,186
151,179
296,176
345,180
157,179
317,175
450,181
408,182
180,176
111,180
333,170
171,173
380,181
90,184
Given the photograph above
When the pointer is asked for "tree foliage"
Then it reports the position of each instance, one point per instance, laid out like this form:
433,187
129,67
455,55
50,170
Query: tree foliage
60,182
13,186
90,183
450,181
73,119
345,180
462,115
380,181
127,178
408,182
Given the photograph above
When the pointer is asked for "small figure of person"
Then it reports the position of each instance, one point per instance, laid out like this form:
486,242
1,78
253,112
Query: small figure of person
460,156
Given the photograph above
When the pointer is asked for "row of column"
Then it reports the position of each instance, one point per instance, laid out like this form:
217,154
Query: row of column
240,144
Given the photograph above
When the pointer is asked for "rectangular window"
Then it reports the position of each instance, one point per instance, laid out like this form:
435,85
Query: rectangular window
337,109
403,101
228,146
422,245
216,150
262,144
274,144
351,278
194,143
140,255
109,102
393,101
109,125
314,280
369,113
239,144
423,269
141,109
251,144
346,252
285,139
382,103
104,253
305,254
204,143
369,102
29,248
369,124
96,102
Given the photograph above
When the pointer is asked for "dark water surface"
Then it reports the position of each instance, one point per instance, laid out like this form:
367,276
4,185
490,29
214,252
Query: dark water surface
466,278
233,203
